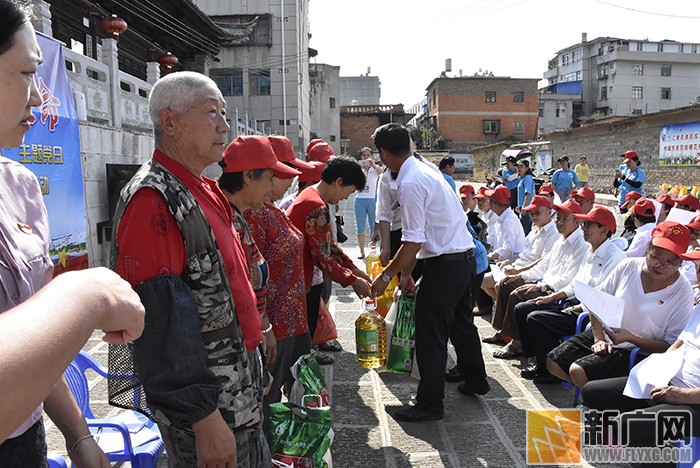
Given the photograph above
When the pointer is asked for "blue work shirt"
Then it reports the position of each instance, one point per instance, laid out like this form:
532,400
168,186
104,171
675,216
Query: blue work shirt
563,181
525,185
450,181
511,184
638,175
482,259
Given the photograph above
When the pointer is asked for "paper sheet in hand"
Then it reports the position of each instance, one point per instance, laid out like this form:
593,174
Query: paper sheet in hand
655,371
606,307
497,273
680,216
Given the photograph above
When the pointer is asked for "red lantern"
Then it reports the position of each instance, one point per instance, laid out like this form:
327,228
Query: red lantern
168,61
114,25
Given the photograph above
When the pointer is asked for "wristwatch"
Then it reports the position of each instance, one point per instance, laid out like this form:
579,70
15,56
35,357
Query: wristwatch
544,288
384,277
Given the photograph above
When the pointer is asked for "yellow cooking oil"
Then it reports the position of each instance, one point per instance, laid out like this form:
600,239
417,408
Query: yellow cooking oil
370,337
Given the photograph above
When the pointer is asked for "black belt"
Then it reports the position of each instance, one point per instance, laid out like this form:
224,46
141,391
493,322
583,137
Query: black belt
451,257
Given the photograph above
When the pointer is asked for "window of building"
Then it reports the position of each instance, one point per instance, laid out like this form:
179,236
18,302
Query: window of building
666,70
636,111
660,47
332,103
540,112
639,47
490,96
518,96
332,138
518,127
637,92
603,70
229,81
492,127
638,69
665,93
560,110
578,75
433,103
259,82
565,59
603,93
575,56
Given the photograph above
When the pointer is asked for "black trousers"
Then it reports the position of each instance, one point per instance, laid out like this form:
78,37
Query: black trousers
607,394
313,297
443,310
27,450
541,330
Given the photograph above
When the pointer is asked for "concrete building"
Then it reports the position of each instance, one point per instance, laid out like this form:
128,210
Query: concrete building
361,90
263,69
625,77
465,112
324,110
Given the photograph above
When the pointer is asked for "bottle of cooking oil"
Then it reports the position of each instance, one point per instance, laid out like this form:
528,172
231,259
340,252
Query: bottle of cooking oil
370,337
372,264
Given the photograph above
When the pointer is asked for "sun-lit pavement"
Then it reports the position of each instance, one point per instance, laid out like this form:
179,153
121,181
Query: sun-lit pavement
488,431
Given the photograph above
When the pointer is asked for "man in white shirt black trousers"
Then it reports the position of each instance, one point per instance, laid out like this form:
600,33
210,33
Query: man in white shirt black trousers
435,230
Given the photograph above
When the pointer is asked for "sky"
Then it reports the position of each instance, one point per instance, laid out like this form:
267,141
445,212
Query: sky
405,42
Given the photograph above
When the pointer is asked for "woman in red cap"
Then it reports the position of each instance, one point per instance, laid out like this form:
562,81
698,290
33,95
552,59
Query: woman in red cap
658,303
249,166
281,244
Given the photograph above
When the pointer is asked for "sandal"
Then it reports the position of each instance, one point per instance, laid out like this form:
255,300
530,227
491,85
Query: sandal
496,338
324,359
507,352
331,345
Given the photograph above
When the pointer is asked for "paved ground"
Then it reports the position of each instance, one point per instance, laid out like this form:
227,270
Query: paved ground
486,431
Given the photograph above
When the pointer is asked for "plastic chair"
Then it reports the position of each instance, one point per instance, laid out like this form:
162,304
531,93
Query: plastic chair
695,447
56,461
140,442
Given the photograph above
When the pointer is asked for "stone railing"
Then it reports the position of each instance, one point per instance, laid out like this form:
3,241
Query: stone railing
372,109
133,94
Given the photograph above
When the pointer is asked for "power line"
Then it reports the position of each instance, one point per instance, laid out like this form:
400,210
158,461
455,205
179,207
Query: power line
646,12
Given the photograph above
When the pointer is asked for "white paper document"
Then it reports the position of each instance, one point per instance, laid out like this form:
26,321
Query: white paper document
681,216
497,273
607,308
655,371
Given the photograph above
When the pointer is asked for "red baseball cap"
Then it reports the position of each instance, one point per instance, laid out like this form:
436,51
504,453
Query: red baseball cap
314,174
666,199
466,190
690,200
312,143
693,255
672,236
282,147
629,197
545,189
601,215
538,201
481,192
248,152
321,151
630,155
584,192
644,207
501,194
569,206
694,223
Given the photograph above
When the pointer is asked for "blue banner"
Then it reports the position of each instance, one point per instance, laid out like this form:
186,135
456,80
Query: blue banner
51,150
679,145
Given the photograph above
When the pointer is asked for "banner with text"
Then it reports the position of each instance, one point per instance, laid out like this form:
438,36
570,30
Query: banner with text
51,150
679,145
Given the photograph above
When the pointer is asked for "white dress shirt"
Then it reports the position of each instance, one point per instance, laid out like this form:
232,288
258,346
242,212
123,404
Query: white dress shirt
538,243
490,218
388,201
510,237
597,266
431,213
658,315
561,264
641,240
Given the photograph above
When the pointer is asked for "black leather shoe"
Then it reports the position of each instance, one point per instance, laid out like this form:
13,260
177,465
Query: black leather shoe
470,388
545,378
453,375
530,372
415,414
